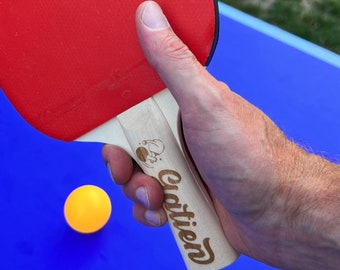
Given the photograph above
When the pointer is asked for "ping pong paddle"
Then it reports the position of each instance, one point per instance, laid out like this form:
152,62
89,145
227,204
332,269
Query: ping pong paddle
74,70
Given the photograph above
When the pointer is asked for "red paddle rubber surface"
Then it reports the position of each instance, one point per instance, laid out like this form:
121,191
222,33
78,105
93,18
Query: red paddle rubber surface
69,66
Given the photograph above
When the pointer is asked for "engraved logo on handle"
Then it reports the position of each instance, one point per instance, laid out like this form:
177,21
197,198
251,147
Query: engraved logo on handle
149,151
181,218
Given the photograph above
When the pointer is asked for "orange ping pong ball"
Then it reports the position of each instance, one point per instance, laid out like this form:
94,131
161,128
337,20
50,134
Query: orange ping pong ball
87,209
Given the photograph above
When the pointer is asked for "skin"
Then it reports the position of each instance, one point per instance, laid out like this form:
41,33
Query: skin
276,202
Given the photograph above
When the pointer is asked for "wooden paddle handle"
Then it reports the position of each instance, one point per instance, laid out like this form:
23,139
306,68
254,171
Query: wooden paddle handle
190,212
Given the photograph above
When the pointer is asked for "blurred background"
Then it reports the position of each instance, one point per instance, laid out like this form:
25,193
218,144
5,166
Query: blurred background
315,20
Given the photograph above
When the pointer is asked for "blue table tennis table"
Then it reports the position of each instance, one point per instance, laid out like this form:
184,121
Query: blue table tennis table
293,81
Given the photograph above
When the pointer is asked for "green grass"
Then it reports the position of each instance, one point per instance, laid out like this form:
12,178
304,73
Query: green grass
320,23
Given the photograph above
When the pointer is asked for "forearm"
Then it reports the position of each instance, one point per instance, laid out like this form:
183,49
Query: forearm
309,196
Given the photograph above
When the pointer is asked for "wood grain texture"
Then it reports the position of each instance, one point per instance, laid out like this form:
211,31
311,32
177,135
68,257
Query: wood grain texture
190,212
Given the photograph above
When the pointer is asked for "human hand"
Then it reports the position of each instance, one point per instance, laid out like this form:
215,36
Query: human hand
277,203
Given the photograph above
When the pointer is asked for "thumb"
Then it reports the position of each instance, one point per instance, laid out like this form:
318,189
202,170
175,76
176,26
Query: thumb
174,62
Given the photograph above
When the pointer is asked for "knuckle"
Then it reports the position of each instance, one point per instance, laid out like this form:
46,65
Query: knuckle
174,49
